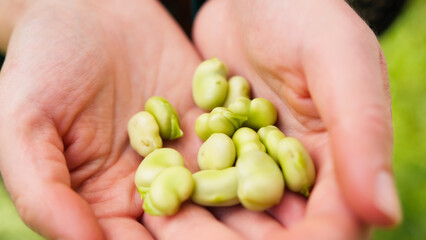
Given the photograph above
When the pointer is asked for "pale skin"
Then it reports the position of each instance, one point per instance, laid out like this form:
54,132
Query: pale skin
76,71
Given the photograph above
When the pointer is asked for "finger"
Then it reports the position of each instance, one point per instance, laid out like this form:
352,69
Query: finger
250,224
327,216
123,228
35,174
191,222
291,209
346,78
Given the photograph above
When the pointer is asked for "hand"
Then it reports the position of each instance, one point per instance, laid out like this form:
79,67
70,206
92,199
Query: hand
324,70
75,73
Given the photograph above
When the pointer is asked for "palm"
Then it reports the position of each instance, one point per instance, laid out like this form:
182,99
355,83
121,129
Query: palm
90,78
271,46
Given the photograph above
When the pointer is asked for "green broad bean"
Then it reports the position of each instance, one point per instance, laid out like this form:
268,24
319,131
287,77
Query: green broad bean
260,112
166,117
296,164
260,181
144,133
202,128
219,120
270,137
218,152
245,140
169,189
240,106
216,188
153,164
238,86
209,84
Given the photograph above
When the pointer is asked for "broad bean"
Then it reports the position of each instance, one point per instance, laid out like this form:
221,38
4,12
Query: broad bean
240,106
270,137
166,117
153,164
260,181
209,85
245,140
219,120
218,152
296,164
216,188
144,133
169,189
238,86
260,112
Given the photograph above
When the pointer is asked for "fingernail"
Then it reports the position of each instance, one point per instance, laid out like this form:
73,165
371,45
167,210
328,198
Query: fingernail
386,196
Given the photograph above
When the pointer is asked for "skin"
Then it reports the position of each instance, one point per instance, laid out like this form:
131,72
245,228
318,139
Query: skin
53,161
73,77
323,68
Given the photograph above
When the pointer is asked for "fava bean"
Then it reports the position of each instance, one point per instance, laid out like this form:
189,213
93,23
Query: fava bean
166,117
260,112
296,164
218,152
260,181
144,133
153,164
270,137
169,189
216,188
209,85
237,87
219,120
245,140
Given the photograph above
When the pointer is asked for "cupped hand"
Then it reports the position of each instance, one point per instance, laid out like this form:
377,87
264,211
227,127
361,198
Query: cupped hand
75,72
324,70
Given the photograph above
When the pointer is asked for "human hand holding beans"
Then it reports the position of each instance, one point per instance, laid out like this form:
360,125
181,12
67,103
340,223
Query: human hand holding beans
323,68
73,166
75,73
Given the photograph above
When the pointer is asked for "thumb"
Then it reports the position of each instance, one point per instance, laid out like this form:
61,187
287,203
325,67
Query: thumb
35,173
346,75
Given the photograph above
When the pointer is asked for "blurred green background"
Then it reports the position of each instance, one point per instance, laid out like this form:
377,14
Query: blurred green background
404,44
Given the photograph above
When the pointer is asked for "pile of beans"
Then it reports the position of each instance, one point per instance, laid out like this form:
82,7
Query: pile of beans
244,158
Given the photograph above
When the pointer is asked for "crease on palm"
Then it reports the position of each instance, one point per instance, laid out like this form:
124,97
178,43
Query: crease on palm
283,79
90,116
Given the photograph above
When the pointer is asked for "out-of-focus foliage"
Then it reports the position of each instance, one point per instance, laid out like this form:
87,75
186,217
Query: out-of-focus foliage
11,226
404,45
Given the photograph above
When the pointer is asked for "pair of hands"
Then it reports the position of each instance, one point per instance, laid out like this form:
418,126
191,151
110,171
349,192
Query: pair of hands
76,71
